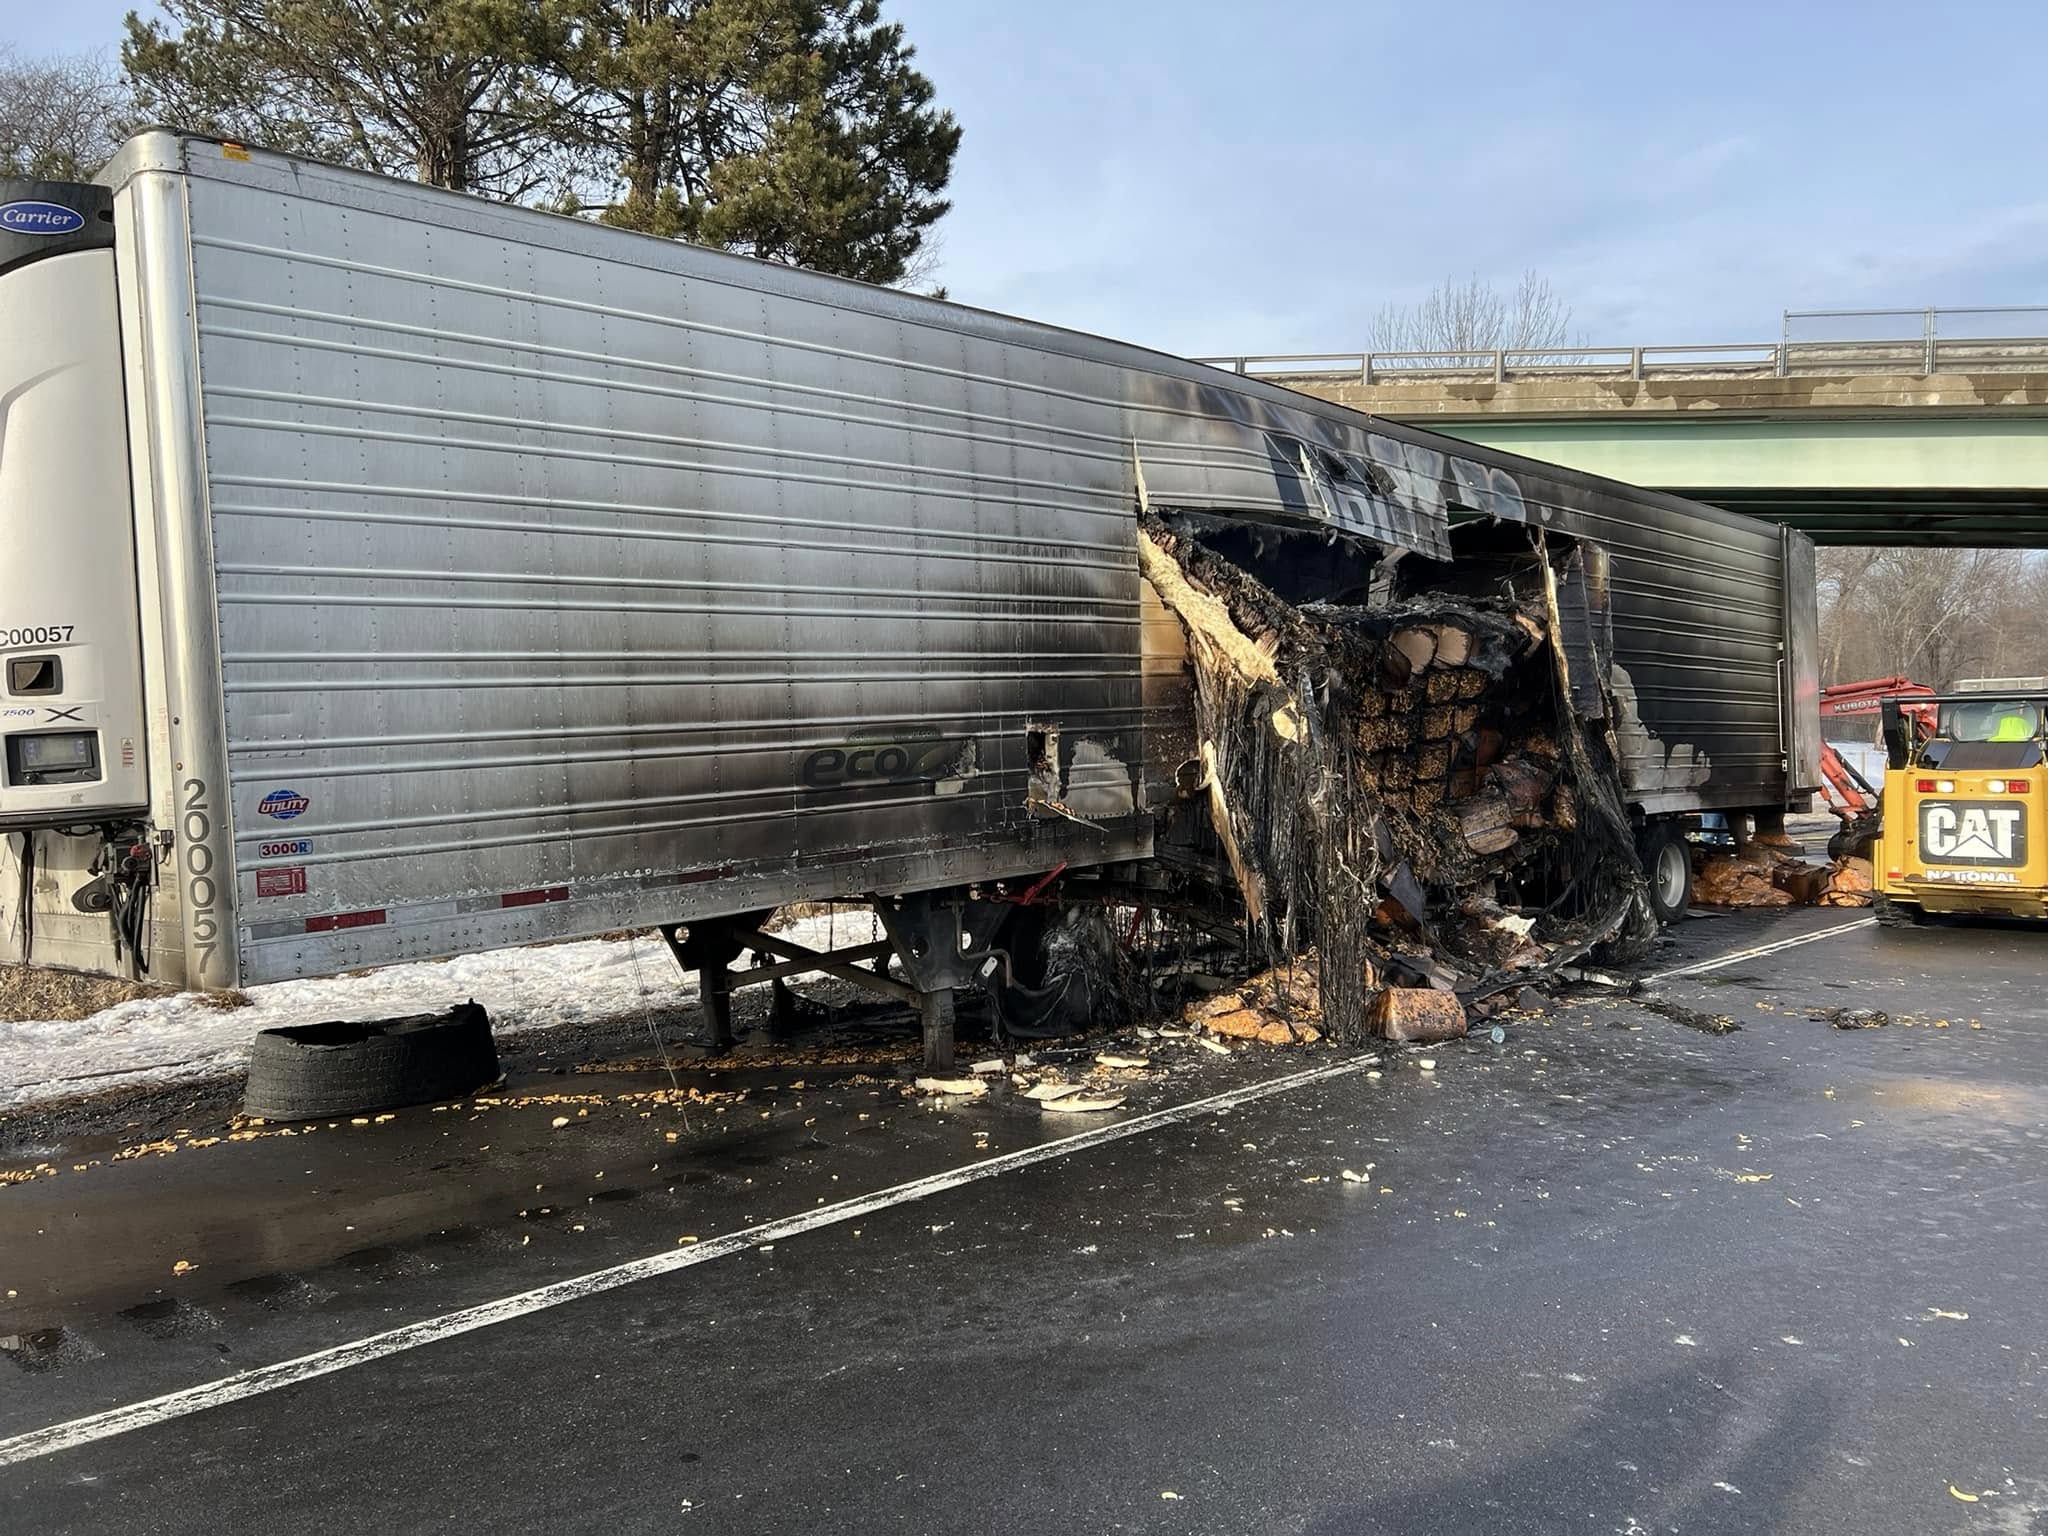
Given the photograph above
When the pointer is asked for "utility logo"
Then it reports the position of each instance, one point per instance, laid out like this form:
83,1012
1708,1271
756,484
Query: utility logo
34,218
283,804
1973,832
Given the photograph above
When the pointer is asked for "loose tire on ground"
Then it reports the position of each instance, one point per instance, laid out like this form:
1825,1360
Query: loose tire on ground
1667,864
304,1071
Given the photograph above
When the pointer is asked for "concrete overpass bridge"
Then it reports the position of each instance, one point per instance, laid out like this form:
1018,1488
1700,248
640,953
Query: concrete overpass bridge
1858,427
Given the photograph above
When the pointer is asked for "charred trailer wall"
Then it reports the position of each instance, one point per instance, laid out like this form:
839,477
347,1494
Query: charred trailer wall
1707,665
1715,655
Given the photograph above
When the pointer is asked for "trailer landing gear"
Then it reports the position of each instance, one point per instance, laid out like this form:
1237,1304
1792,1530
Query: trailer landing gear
935,1013
940,939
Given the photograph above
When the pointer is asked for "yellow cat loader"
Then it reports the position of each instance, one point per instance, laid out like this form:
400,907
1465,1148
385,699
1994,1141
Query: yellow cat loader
1963,807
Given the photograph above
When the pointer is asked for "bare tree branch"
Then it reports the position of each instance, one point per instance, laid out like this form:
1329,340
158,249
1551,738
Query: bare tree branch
1460,321
1934,615
59,116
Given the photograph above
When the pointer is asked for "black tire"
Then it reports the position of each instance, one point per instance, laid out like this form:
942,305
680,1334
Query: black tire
306,1071
1895,914
1667,866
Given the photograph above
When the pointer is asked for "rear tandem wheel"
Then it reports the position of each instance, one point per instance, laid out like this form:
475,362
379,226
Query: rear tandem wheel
1667,863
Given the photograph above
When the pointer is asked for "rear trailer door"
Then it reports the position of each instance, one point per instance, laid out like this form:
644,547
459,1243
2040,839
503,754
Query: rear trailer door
71,710
1800,673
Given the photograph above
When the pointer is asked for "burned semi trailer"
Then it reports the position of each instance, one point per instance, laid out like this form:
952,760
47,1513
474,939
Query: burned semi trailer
389,574
386,574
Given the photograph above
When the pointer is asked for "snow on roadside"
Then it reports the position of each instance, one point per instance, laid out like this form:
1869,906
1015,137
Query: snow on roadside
165,1039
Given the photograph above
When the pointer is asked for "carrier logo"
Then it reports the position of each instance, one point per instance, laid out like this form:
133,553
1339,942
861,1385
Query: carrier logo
283,804
32,218
1973,832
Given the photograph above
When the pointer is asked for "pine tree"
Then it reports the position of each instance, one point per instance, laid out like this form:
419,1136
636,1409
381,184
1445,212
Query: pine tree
459,93
795,130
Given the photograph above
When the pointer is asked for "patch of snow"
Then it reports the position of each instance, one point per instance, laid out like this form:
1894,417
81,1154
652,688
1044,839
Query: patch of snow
166,1039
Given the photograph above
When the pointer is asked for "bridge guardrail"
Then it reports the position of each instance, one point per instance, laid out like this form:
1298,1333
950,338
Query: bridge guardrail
1927,350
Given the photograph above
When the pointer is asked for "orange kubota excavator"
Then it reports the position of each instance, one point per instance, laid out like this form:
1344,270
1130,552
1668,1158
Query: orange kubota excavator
1853,798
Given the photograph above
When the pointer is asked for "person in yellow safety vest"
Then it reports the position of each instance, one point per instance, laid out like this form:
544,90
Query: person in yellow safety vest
2015,724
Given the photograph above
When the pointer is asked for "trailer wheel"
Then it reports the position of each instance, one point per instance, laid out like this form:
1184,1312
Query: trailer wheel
304,1071
1895,914
1667,862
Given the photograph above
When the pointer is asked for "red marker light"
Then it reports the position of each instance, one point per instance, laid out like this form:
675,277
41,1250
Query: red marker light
1924,786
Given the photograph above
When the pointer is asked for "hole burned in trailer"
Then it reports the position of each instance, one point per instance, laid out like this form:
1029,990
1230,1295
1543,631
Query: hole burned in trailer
1043,788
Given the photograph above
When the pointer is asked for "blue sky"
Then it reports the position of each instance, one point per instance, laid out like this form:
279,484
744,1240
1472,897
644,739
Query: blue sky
1242,177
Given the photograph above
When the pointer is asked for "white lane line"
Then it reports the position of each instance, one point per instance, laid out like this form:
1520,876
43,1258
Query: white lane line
1760,950
342,1357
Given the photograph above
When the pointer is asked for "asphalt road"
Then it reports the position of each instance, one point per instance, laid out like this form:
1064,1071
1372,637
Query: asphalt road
1613,1274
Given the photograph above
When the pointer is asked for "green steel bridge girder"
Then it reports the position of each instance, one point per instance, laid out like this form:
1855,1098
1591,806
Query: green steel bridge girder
1954,479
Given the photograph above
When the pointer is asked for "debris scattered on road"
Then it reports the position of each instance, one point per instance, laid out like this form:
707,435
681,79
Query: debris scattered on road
1427,1063
1080,1104
1762,875
1745,880
1123,1062
1852,1018
1046,1091
183,1267
1851,883
952,1087
1420,1014
1691,1018
1954,1317
1956,1493
1281,1006
1358,1178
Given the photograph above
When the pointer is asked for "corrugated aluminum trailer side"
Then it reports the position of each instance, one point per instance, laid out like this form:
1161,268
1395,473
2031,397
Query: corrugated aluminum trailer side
507,577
